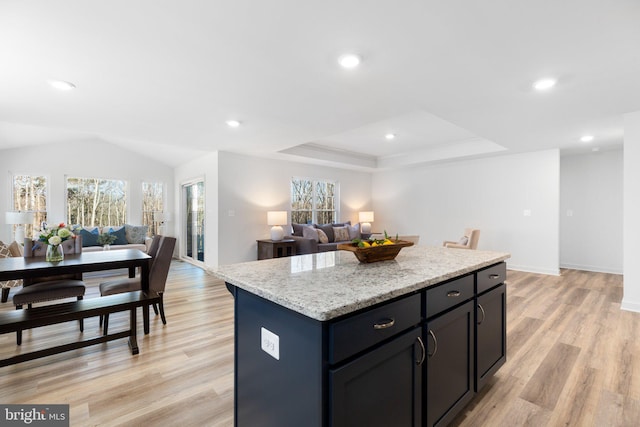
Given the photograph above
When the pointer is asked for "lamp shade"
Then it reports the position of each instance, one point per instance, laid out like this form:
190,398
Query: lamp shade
365,216
19,217
276,217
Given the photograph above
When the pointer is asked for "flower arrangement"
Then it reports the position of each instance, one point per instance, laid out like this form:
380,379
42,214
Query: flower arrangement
55,234
106,238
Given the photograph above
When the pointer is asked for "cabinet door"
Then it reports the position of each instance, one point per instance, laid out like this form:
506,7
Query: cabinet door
382,387
450,363
491,334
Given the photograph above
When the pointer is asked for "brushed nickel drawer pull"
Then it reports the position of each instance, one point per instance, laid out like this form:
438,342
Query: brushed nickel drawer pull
424,352
483,314
435,344
453,294
494,276
385,325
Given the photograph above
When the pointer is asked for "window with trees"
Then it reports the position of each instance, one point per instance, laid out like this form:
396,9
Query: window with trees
30,194
313,201
152,201
96,202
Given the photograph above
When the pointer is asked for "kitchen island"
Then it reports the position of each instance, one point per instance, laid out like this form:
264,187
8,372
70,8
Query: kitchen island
327,341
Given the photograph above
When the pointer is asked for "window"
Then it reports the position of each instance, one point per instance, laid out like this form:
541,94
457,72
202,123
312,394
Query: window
313,201
152,201
96,202
30,194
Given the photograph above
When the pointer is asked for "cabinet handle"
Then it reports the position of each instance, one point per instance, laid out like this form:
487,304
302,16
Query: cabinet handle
453,294
494,276
424,352
384,325
435,342
483,315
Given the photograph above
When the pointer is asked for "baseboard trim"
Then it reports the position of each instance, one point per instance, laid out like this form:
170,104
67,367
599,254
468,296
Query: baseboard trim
630,306
592,268
528,269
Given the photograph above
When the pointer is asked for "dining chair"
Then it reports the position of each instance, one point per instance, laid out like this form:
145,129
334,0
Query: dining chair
468,241
49,288
160,264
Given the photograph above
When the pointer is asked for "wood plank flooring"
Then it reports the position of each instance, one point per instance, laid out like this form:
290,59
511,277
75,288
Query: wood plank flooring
573,359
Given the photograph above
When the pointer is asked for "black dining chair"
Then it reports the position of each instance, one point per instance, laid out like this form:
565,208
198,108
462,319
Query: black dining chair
41,289
158,273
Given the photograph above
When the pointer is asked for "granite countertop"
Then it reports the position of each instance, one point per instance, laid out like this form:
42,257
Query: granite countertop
330,284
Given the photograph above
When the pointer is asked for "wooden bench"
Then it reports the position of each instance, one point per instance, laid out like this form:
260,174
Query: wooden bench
13,321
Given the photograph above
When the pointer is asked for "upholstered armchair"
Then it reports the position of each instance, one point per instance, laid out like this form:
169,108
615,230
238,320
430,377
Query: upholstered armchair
468,241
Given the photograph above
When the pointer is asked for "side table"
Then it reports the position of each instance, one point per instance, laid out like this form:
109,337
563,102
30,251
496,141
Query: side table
268,248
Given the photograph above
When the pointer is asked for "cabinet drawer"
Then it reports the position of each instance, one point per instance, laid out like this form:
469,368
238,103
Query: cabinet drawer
450,294
490,277
353,334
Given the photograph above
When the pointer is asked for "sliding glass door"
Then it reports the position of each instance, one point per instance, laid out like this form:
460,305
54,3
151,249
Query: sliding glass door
193,223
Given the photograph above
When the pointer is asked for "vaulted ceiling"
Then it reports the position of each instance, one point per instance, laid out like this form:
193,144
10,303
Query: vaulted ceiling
450,79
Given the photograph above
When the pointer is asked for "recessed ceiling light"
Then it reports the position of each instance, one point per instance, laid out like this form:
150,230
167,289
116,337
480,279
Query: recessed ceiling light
586,138
595,149
233,123
544,84
349,61
62,85
390,136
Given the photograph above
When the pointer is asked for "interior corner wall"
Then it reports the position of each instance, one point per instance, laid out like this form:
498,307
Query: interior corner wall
206,168
631,297
251,186
87,159
591,211
512,199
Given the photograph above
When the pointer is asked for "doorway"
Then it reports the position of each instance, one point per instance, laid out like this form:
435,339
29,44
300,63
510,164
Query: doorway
193,223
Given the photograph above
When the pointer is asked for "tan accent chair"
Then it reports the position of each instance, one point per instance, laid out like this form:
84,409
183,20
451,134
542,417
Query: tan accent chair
161,251
8,251
472,236
41,289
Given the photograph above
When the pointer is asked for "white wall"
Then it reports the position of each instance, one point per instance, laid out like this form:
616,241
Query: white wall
631,298
205,167
251,186
438,202
591,215
82,159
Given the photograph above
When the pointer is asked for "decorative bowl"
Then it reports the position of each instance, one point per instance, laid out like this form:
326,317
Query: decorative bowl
375,253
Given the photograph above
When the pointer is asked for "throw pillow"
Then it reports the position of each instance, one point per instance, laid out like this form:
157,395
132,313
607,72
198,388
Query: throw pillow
354,231
121,236
136,234
310,233
322,237
15,249
463,240
340,234
5,252
89,238
297,229
328,230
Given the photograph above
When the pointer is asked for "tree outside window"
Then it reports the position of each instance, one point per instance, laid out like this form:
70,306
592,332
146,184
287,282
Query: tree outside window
313,201
152,201
96,202
30,194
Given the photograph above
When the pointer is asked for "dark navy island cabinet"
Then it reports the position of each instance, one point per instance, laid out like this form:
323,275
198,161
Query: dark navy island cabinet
416,360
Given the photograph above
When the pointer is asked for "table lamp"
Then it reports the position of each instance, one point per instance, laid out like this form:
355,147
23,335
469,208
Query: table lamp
365,218
277,219
19,219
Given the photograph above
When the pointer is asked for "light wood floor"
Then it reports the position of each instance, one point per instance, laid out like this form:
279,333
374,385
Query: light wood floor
573,360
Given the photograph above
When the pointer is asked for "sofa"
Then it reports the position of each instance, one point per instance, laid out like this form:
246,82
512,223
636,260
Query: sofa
127,237
314,238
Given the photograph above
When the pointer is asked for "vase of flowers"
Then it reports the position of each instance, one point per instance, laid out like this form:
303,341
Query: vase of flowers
106,239
53,236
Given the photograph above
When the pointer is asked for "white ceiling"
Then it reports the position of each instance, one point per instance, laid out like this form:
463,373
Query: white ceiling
451,79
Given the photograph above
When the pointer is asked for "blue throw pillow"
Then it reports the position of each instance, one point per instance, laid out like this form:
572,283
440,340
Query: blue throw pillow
89,238
121,236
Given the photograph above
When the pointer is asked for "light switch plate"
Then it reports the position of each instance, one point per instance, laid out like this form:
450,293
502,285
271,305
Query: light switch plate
270,343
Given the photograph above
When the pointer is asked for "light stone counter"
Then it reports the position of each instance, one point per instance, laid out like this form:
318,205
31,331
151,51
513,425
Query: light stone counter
327,285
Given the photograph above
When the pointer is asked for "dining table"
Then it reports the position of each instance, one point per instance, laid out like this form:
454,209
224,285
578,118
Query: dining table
131,259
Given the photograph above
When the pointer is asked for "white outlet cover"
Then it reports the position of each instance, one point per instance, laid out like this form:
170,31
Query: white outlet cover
527,212
270,343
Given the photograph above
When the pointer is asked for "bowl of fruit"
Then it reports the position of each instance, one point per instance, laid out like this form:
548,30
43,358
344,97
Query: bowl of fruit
374,250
